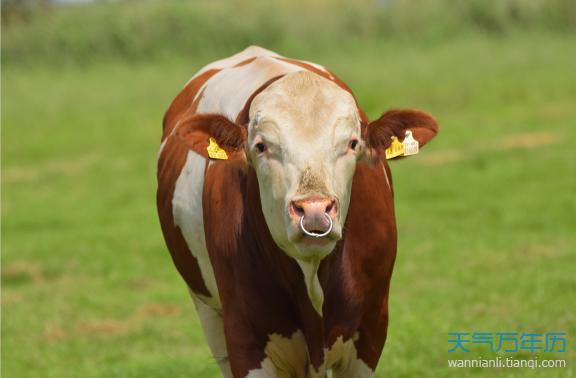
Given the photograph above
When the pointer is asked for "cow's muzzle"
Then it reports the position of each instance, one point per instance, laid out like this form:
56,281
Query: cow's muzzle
315,215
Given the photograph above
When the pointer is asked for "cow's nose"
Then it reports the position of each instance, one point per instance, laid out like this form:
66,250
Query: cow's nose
315,212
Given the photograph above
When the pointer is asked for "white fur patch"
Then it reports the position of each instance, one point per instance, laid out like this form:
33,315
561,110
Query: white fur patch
343,359
161,147
231,61
188,215
285,357
288,357
309,270
226,92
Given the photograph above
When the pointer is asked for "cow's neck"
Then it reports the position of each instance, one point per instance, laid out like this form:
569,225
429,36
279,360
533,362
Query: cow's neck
307,278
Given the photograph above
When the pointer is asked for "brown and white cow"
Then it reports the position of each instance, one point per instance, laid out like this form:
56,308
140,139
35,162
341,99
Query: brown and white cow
286,237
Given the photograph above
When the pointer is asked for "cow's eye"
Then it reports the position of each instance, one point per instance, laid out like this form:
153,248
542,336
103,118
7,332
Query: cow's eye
260,147
353,144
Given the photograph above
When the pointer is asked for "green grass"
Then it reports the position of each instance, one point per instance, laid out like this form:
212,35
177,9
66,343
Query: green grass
485,213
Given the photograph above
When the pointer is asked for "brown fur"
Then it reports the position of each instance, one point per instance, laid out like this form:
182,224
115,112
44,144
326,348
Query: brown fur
183,101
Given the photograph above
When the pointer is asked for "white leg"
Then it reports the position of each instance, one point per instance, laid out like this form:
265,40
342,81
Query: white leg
214,332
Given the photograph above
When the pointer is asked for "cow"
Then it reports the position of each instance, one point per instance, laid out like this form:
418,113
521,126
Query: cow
275,201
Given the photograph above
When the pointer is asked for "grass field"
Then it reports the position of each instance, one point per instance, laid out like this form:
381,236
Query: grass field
486,213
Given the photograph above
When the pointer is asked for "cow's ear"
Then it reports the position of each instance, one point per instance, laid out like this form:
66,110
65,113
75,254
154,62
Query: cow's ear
379,134
212,136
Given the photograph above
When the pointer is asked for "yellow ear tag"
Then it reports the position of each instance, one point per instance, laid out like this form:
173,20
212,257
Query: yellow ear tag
396,149
411,145
214,150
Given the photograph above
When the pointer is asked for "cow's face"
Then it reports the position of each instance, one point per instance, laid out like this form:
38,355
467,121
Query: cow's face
303,142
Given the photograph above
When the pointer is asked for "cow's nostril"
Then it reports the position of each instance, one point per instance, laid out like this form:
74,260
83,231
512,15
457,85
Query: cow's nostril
298,210
330,207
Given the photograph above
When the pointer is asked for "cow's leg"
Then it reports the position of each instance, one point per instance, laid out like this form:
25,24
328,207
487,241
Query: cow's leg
274,353
362,357
214,333
285,357
346,363
352,367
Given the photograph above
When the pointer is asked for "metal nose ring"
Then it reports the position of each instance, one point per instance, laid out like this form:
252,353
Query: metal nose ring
315,234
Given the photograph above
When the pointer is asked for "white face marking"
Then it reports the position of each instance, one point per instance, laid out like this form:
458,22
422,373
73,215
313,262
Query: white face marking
188,215
306,123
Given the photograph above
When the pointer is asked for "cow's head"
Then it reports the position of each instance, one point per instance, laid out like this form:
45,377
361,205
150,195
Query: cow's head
304,138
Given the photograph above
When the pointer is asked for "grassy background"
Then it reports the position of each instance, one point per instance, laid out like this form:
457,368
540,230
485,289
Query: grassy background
485,213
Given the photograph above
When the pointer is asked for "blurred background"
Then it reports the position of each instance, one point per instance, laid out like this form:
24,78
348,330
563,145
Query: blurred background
486,213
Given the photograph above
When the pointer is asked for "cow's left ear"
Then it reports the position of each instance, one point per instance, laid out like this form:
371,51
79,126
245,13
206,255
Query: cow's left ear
212,136
380,133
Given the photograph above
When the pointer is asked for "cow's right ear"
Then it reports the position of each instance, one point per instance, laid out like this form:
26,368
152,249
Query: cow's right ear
212,134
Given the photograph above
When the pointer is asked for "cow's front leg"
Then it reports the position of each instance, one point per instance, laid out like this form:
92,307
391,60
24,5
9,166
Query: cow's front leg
266,355
344,360
213,327
362,356
351,366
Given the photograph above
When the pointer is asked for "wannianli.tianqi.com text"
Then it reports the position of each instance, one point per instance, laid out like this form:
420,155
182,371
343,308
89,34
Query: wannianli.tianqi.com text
506,362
